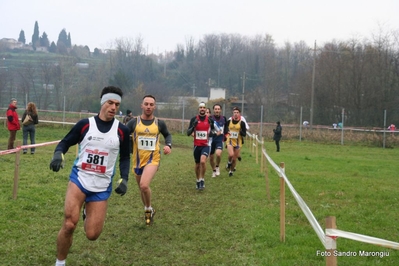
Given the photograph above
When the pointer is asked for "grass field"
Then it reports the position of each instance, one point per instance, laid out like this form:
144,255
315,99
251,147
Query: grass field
230,223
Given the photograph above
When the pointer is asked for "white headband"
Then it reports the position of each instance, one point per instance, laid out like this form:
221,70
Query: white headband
110,96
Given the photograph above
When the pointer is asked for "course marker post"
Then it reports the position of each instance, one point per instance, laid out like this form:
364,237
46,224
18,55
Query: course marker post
252,143
282,203
331,242
261,158
256,148
267,179
16,170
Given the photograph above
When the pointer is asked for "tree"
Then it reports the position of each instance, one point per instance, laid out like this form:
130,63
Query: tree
35,36
25,80
53,48
96,52
69,41
63,42
80,51
21,37
44,42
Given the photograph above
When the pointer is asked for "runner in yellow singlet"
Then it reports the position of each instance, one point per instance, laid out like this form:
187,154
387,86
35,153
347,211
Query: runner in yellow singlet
145,130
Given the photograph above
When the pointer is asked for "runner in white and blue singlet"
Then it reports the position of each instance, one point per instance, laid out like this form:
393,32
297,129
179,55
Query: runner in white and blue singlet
100,138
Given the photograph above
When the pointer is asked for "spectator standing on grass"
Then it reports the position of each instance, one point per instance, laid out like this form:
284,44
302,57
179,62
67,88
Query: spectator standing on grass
235,131
12,123
217,140
101,139
129,116
201,125
30,127
145,130
277,135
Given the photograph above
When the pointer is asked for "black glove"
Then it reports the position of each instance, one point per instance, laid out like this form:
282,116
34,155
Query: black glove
57,162
195,123
121,189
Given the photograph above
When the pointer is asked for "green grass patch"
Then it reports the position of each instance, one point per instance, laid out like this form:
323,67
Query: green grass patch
230,223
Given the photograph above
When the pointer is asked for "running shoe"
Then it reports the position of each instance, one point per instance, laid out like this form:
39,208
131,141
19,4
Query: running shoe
198,185
217,171
149,217
202,184
214,174
228,165
230,173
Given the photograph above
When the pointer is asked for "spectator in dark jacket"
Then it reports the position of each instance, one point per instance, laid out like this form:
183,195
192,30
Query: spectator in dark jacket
12,122
129,116
277,135
30,128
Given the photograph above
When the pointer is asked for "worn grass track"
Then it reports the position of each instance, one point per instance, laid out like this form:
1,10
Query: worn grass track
230,223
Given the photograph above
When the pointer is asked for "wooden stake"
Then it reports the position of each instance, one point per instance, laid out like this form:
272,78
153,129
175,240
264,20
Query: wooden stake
256,143
261,157
331,243
16,171
282,205
267,183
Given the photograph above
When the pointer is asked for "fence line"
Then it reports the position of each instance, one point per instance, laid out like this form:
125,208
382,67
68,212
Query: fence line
334,233
327,238
18,148
302,204
17,152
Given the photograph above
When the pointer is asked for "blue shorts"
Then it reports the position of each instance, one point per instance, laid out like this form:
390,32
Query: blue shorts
92,196
216,145
199,151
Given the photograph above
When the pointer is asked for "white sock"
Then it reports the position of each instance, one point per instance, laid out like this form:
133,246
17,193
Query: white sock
60,262
148,208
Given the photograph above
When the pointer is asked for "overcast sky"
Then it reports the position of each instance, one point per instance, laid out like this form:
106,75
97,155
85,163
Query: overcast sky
162,24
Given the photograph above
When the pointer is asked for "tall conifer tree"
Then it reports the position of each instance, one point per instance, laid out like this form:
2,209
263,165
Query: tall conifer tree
35,36
21,37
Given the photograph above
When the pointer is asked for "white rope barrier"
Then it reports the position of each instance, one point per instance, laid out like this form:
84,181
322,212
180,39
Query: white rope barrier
305,209
9,151
332,233
259,141
57,122
362,238
28,146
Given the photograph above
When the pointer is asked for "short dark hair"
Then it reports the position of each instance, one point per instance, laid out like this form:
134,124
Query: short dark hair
236,108
111,89
149,96
216,104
